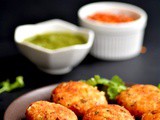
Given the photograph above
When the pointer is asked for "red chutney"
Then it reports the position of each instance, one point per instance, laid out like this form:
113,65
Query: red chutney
110,18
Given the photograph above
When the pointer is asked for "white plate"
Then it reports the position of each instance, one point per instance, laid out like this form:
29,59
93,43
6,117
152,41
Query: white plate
17,109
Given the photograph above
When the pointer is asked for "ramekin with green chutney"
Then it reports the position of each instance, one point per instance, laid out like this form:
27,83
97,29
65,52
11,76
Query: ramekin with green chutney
54,46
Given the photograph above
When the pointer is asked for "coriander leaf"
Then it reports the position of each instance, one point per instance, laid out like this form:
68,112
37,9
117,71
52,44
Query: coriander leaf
6,86
116,86
159,85
91,82
116,79
97,80
112,92
111,87
119,83
18,83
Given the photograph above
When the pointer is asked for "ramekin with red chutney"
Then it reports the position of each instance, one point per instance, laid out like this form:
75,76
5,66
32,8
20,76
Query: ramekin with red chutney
119,29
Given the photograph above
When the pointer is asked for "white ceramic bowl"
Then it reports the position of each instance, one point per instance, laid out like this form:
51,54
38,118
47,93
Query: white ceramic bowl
119,41
58,61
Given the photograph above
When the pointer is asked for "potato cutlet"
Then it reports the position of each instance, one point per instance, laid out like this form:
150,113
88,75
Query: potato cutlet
139,99
110,112
43,110
78,96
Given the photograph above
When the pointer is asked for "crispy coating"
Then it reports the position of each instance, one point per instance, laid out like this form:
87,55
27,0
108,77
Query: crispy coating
78,96
154,115
110,112
43,110
140,99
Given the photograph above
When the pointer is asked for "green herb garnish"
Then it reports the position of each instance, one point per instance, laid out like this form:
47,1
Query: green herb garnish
159,85
112,87
6,86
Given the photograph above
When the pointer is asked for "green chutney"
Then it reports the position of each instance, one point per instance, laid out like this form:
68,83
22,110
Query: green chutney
56,40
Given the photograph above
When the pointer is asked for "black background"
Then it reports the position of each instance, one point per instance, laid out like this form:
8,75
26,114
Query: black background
142,69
